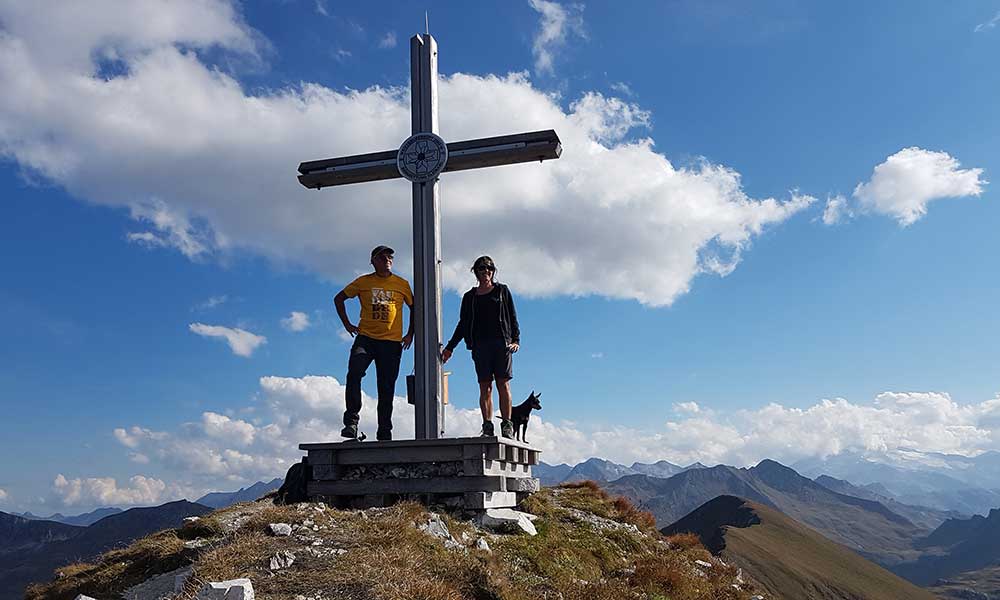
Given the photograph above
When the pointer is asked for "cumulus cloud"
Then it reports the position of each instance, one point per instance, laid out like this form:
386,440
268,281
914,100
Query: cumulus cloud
296,321
200,163
909,180
558,22
837,210
240,341
309,409
104,491
3,495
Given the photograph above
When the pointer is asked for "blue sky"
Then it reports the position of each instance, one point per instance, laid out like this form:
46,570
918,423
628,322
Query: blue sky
771,233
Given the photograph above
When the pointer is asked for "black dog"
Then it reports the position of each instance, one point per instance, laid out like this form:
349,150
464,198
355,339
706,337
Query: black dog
520,413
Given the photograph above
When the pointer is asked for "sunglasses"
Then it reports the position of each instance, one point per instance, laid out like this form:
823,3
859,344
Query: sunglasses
484,269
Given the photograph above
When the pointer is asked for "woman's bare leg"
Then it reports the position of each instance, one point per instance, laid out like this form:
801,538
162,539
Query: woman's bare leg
486,400
503,389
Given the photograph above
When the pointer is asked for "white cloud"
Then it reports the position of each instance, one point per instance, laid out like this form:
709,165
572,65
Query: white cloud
212,302
200,161
388,40
296,321
321,8
240,341
309,409
104,491
909,180
687,407
988,24
596,355
622,88
344,335
3,495
558,22
837,210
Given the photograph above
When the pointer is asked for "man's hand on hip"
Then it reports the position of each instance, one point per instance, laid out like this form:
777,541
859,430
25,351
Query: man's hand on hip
351,329
407,341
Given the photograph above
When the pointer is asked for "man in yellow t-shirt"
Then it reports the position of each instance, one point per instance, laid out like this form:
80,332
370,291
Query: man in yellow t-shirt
379,338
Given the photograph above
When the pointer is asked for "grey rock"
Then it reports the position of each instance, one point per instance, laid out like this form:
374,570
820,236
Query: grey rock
507,520
82,597
159,587
234,589
191,520
280,529
436,526
196,543
282,560
703,564
481,544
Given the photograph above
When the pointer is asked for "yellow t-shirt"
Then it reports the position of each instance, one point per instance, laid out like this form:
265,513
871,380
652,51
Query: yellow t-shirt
382,300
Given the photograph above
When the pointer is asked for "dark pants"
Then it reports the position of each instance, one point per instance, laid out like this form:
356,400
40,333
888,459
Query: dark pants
386,354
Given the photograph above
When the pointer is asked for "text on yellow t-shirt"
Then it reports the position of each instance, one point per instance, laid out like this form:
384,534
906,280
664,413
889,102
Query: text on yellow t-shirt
382,300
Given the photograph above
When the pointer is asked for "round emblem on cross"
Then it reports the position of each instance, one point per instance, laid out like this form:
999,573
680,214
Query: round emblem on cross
422,157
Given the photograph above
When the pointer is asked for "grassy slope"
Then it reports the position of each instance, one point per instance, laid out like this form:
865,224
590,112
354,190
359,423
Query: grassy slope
588,546
792,561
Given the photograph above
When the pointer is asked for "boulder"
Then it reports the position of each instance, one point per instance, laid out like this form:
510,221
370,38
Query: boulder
234,589
282,560
280,529
159,587
507,520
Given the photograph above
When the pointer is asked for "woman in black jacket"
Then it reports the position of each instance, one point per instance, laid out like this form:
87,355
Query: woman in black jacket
488,324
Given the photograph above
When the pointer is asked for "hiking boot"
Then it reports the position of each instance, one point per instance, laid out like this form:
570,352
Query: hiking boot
349,431
488,429
383,436
507,429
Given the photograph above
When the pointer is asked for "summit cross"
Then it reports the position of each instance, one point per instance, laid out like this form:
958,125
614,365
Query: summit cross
420,159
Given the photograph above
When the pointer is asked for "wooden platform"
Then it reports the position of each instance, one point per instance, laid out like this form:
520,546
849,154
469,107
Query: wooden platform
473,472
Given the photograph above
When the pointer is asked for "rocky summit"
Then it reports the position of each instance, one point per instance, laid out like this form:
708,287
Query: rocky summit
585,544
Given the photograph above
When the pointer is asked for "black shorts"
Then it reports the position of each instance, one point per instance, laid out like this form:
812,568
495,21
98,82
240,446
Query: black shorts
493,360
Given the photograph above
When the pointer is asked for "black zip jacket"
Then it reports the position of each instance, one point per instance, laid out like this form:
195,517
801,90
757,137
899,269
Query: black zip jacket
467,315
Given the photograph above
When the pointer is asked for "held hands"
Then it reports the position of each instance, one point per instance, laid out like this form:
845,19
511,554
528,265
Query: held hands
445,355
513,347
407,341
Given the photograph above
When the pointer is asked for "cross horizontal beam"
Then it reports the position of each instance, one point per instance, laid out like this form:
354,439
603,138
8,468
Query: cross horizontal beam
470,154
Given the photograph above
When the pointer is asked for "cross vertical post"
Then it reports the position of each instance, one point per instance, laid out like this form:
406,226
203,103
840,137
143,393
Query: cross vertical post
421,159
426,247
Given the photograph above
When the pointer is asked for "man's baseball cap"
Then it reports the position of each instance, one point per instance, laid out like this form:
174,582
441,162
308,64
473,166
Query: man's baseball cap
381,250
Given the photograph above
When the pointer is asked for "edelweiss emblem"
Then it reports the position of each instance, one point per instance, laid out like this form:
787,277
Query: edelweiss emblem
422,157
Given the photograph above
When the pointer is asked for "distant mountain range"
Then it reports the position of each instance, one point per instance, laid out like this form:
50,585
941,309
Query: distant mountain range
865,526
31,550
79,520
957,546
787,558
598,469
248,494
939,481
32,547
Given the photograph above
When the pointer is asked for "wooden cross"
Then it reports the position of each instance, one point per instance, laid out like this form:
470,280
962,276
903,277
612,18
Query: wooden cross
420,159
